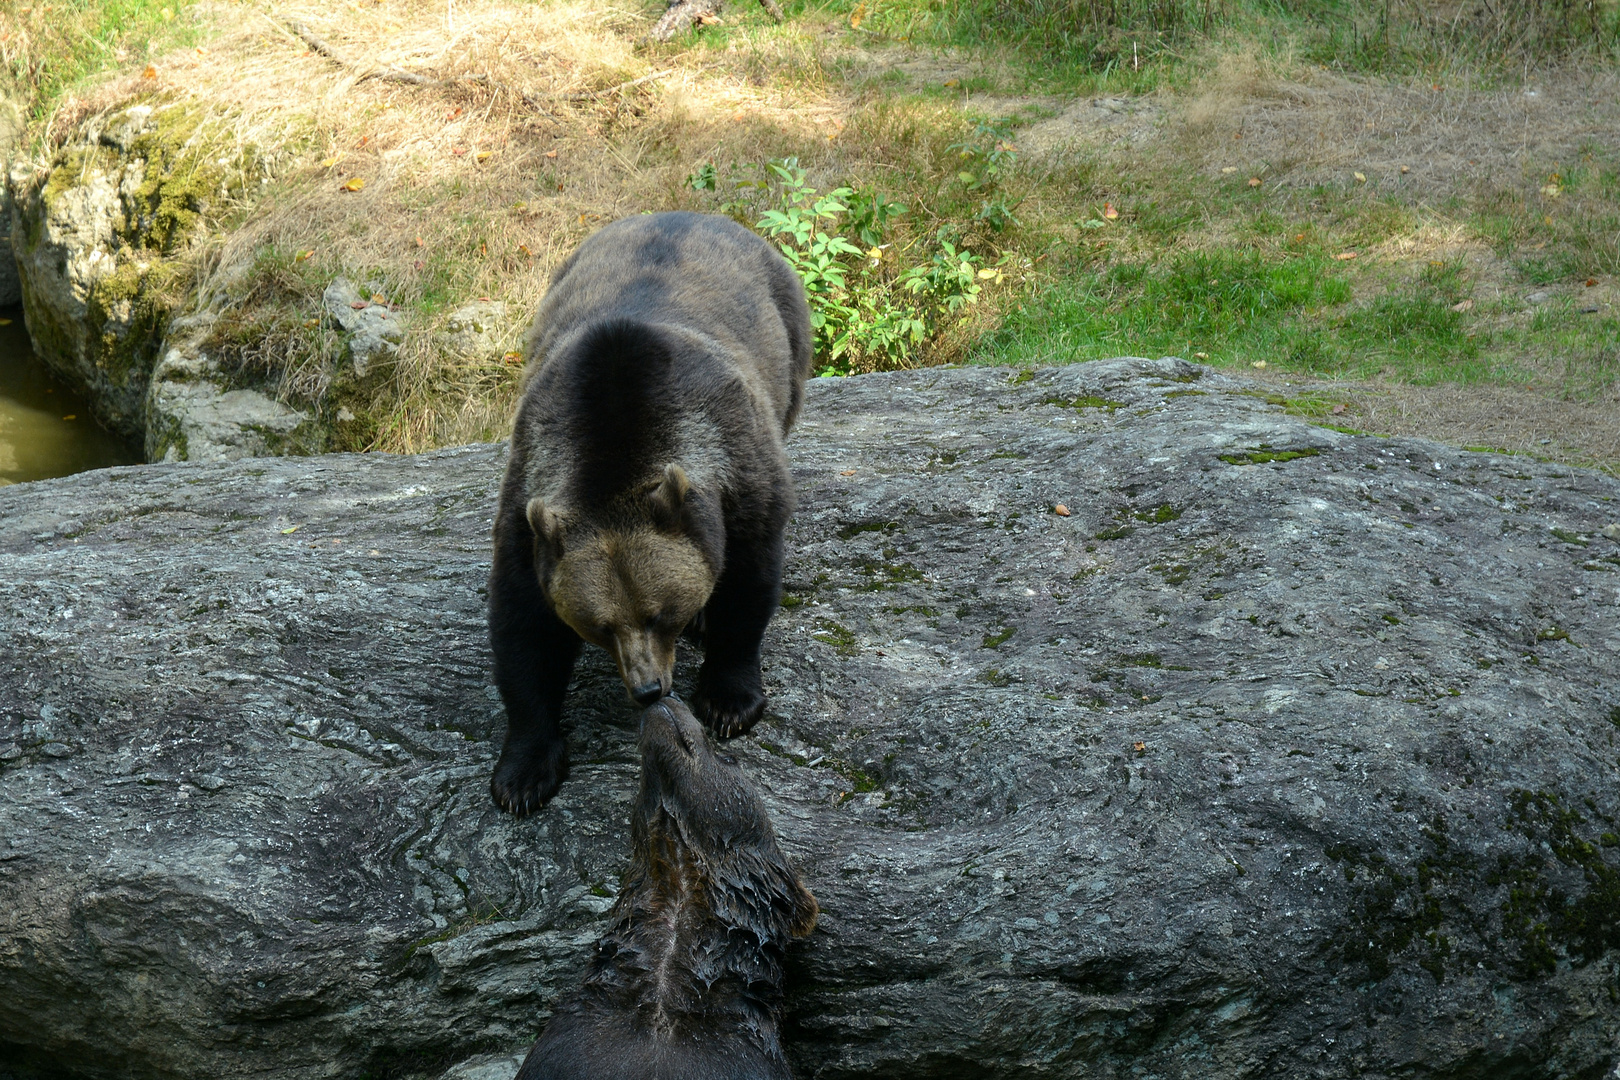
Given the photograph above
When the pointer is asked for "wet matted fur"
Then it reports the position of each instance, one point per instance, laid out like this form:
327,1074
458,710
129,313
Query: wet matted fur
687,982
646,483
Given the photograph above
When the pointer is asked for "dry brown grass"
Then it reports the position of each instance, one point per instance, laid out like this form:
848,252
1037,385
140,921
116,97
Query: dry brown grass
475,186
532,135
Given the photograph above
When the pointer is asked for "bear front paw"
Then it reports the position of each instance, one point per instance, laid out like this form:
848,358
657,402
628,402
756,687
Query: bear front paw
526,778
729,706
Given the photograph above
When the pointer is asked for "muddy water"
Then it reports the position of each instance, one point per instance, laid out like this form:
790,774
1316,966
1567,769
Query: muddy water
45,428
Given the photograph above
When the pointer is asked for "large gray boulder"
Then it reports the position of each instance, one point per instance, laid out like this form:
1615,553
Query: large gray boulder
1287,752
12,131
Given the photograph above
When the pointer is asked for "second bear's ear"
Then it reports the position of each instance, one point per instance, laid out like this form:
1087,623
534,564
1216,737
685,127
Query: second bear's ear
669,497
547,526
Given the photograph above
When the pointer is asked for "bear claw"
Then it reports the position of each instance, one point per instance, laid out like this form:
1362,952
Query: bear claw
524,782
729,713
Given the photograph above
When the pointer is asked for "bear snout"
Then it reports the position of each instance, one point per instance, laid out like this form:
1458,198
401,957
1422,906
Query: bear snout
649,692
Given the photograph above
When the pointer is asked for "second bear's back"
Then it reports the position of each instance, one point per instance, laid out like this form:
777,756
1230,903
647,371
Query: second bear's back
697,275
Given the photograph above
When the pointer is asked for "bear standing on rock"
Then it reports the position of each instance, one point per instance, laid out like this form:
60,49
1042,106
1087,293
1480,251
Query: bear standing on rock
646,486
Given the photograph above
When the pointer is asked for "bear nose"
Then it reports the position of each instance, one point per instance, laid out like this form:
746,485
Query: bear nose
648,693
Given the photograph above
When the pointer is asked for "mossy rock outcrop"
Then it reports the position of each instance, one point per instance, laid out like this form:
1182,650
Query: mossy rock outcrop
100,237
1286,752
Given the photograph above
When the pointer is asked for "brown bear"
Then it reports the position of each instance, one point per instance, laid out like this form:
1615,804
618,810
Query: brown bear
646,486
687,982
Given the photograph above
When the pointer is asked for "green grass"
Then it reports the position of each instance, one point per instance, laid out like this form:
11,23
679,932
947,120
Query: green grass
53,47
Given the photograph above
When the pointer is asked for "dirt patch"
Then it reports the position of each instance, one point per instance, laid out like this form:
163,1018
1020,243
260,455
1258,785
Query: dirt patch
1584,434
1416,139
1131,121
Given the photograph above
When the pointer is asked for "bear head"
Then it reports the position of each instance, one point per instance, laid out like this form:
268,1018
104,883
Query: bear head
702,833
631,578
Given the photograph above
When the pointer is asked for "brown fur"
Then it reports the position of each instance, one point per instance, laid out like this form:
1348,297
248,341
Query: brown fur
647,488
687,982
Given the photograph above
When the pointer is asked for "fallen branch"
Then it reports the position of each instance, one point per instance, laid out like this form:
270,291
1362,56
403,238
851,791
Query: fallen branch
683,13
387,72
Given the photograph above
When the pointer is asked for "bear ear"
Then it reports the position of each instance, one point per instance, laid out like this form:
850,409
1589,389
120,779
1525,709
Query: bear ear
669,497
546,524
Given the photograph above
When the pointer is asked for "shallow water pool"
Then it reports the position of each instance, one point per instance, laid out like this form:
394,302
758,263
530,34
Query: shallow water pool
45,428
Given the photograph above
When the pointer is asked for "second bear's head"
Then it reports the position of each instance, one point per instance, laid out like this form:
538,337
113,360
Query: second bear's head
632,577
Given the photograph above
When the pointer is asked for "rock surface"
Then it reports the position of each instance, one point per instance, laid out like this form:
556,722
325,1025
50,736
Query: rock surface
193,413
1287,753
374,331
11,139
474,330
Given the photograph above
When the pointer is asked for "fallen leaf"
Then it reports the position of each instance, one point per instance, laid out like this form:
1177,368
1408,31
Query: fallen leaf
709,19
1591,281
458,150
1200,356
1139,747
1343,255
377,298
293,529
1299,238
149,73
1254,181
167,13
201,51
1339,408
71,416
523,249
952,82
551,153
1060,510
482,155
303,256
988,272
329,162
1463,305
847,472
1258,364
418,264
1405,170
1109,212
1360,178
1229,170
420,242
354,183
359,305
1552,191
857,16
513,358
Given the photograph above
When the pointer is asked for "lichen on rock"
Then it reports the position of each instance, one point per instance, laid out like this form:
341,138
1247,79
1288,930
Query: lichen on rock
100,237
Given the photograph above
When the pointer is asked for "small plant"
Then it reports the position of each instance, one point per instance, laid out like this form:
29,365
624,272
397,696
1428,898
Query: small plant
869,309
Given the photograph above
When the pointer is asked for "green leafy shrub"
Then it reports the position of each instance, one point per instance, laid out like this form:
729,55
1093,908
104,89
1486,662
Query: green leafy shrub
875,302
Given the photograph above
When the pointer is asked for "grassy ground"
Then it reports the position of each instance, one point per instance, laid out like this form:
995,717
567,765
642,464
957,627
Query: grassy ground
1415,207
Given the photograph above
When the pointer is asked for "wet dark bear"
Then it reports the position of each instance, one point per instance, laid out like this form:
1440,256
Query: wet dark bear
688,980
646,483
